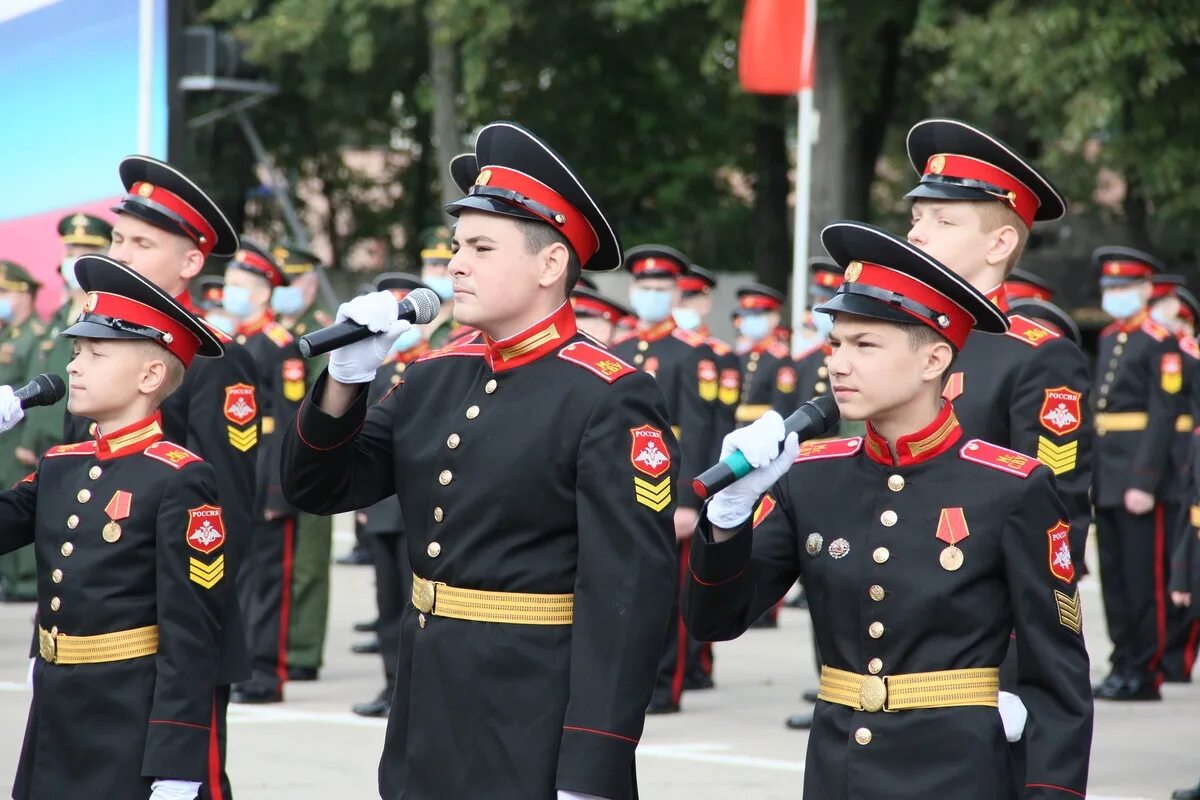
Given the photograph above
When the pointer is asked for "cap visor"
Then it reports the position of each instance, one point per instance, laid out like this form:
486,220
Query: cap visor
935,191
861,306
94,330
491,205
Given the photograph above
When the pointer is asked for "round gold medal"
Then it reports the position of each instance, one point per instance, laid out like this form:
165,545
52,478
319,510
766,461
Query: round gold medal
111,532
951,558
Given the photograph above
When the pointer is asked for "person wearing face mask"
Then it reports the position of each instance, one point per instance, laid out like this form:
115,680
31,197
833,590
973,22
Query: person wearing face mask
769,378
435,273
250,278
383,523
299,307
1139,369
691,313
686,369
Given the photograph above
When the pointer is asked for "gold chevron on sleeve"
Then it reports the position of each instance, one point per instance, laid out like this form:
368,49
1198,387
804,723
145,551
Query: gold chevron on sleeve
654,496
1069,612
1058,457
243,438
207,575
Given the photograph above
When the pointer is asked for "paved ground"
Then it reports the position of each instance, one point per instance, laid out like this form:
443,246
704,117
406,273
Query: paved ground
729,742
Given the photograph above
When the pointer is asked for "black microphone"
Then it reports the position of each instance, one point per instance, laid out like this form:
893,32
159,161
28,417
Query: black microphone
810,420
419,307
44,390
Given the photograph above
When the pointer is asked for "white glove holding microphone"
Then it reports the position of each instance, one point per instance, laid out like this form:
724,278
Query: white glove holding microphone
378,312
759,443
10,409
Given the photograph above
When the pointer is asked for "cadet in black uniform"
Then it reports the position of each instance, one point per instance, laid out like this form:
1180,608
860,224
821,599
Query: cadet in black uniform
691,313
948,545
768,372
595,314
130,546
686,369
543,569
973,209
250,278
1139,369
166,227
383,523
812,365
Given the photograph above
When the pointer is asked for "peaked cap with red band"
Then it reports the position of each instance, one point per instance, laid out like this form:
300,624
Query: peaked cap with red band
757,297
1120,266
166,198
514,173
656,261
590,303
1021,284
123,305
1190,306
252,257
887,278
1165,285
398,283
957,161
208,291
698,280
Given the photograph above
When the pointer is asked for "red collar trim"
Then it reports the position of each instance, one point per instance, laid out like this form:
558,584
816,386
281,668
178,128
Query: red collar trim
411,355
999,298
930,442
763,345
131,439
248,329
657,331
1133,323
532,343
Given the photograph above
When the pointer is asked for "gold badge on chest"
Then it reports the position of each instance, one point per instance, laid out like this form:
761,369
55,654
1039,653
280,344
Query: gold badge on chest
952,529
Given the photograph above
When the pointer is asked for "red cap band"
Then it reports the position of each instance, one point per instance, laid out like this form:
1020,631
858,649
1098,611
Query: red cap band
692,285
1020,197
586,306
203,234
830,280
565,217
1132,270
960,322
255,263
758,302
177,339
653,264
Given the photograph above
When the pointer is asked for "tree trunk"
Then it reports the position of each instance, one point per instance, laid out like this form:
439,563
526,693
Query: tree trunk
831,149
443,73
772,245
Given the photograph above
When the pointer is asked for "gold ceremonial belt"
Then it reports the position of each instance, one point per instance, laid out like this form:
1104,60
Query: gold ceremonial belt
1136,421
59,648
749,413
477,605
944,689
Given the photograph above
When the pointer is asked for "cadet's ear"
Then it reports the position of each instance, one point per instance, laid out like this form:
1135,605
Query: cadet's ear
554,259
154,375
938,358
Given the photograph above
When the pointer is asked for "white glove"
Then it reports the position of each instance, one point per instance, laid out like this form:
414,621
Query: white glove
174,790
1013,715
29,674
577,796
356,363
10,409
759,443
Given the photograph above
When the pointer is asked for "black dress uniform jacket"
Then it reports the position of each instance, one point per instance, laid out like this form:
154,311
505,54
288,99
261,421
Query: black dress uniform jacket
686,369
729,390
539,464
882,604
1028,390
769,382
214,413
109,729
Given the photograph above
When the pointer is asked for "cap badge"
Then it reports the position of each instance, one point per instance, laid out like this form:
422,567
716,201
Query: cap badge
853,271
145,189
90,305
937,164
484,177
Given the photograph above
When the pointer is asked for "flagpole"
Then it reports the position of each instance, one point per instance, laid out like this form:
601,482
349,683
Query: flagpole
805,137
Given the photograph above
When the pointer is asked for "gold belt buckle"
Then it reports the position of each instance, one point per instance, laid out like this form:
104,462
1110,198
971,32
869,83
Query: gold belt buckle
48,645
424,595
872,695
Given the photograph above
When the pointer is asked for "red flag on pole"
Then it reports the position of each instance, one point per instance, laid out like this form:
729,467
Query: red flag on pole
775,51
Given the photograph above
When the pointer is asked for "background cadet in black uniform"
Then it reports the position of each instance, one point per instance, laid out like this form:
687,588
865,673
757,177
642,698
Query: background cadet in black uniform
595,314
768,372
686,369
265,594
383,523
812,365
166,226
972,210
1139,372
131,563
949,544
691,313
543,568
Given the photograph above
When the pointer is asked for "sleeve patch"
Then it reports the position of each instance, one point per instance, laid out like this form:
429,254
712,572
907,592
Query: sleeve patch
1061,410
763,510
707,375
206,575
596,360
815,450
1070,613
1058,540
206,529
240,404
1060,458
293,379
654,496
998,458
1031,333
1172,373
648,452
731,387
172,454
785,380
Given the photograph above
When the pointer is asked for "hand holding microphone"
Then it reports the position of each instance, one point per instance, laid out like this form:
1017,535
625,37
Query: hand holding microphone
759,444
364,332
44,390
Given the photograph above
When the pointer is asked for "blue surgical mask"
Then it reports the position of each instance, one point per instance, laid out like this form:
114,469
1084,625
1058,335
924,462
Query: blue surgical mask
222,322
651,305
686,318
407,340
1121,303
755,327
287,300
443,286
237,301
6,309
67,270
822,323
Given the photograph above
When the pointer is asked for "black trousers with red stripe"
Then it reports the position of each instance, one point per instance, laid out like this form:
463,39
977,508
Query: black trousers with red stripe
1133,579
267,601
217,786
1183,632
682,655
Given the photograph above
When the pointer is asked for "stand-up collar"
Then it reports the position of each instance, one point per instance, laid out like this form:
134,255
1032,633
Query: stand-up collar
131,439
931,441
529,345
999,298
